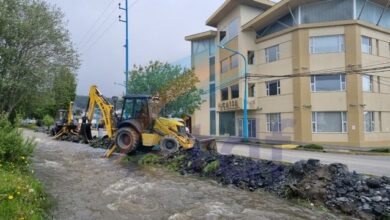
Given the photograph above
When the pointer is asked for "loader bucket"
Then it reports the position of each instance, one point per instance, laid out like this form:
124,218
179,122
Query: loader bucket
207,144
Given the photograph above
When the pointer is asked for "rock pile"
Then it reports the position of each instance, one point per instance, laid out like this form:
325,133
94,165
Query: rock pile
331,185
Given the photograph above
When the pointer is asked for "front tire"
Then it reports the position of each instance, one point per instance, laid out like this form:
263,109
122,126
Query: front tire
127,139
169,145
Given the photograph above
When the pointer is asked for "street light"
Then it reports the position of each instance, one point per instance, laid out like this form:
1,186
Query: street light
245,121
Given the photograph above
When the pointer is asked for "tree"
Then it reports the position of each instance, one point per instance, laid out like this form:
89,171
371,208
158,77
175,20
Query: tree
37,59
174,85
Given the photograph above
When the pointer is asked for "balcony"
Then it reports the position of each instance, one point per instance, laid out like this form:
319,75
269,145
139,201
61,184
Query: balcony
236,104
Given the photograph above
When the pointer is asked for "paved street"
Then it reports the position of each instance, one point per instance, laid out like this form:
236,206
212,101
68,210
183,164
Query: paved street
375,165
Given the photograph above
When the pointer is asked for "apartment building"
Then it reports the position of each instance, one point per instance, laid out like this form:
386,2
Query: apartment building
318,71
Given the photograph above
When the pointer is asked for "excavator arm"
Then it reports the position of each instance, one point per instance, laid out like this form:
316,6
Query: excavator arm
96,98
70,114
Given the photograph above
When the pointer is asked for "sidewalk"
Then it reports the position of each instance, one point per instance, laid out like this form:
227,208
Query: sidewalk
293,145
373,164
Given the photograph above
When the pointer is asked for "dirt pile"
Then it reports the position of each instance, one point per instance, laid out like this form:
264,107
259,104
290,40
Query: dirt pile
339,189
333,186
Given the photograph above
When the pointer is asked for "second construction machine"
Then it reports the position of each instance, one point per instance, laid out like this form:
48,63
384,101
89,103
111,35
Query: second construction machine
65,123
138,125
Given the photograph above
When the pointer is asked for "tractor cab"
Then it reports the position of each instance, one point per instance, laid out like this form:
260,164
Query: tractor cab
135,107
61,116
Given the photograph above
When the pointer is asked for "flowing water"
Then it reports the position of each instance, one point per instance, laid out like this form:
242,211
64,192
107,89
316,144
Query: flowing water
85,186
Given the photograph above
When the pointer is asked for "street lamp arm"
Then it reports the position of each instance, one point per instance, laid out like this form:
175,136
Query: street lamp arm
233,51
245,121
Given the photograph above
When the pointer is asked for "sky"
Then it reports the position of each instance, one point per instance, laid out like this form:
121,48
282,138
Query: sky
157,31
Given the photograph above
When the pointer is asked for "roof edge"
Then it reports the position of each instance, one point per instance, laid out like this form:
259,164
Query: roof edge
228,5
201,36
252,23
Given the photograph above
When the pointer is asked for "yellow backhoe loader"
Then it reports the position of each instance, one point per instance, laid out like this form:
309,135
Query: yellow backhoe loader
138,125
65,123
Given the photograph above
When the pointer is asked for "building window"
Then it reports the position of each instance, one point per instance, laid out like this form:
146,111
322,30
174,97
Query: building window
369,122
234,61
235,91
366,45
273,88
225,65
251,57
234,28
251,90
324,122
327,44
212,95
213,122
212,69
224,94
272,54
274,123
200,46
212,48
251,127
223,36
367,83
229,32
227,124
377,47
327,83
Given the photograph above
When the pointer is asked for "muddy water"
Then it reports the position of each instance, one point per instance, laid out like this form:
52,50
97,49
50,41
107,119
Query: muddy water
85,186
154,194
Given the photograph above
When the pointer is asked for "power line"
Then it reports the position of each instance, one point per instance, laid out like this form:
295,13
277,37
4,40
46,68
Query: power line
100,36
93,34
87,33
88,45
322,73
360,71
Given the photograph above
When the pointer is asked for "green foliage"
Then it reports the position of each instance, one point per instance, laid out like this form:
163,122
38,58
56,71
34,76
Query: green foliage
380,150
13,148
314,147
38,62
21,196
175,162
175,86
149,159
48,120
211,167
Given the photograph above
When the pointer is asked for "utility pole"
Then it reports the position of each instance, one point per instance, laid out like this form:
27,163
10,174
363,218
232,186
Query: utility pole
126,21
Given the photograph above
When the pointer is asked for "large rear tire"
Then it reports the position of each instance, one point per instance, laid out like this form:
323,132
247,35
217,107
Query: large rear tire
169,145
127,139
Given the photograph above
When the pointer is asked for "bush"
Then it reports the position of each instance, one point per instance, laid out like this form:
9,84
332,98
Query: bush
380,150
13,148
48,121
311,147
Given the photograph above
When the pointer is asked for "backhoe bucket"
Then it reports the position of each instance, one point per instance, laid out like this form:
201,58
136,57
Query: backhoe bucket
86,132
207,144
